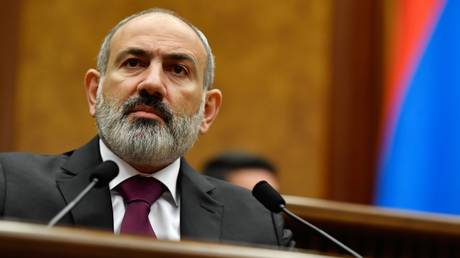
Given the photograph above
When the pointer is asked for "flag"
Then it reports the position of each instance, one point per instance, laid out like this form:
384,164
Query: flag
420,153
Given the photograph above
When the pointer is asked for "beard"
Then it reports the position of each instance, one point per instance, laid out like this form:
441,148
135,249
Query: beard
141,141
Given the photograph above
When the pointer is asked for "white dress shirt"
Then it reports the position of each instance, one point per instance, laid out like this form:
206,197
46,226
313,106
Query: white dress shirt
164,213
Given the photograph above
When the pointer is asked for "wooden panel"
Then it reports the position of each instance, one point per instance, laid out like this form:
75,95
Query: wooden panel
355,100
272,65
376,232
9,23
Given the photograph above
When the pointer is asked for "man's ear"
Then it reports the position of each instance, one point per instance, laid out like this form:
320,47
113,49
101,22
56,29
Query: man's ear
212,105
92,78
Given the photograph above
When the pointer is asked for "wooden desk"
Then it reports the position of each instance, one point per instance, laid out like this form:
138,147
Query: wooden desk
29,240
376,232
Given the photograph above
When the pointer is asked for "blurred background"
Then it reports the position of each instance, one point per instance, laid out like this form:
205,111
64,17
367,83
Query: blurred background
303,82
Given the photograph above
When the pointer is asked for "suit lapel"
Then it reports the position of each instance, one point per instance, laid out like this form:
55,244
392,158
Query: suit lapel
201,215
94,210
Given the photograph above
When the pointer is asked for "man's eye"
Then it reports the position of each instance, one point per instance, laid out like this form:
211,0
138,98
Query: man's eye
132,63
179,70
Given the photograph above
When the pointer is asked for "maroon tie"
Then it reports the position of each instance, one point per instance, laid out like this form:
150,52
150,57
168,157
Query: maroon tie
139,193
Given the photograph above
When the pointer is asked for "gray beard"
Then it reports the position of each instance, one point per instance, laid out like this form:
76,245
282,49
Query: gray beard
145,142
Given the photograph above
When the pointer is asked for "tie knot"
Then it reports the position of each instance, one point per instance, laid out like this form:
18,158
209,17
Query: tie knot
140,188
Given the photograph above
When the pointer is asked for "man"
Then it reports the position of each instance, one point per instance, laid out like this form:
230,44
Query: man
151,96
243,169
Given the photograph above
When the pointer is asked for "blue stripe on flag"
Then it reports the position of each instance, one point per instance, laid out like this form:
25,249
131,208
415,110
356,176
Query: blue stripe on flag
421,168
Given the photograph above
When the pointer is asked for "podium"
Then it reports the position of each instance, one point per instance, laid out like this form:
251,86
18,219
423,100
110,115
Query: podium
19,240
375,232
371,231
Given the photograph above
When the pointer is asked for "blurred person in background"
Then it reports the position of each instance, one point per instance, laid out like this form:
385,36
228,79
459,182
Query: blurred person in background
242,168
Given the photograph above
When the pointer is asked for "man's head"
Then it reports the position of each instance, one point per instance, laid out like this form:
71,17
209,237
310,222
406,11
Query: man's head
104,52
152,93
242,169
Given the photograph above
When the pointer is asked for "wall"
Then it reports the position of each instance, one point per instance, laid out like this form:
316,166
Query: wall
272,66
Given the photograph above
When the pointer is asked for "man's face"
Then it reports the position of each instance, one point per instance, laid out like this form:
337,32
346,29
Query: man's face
161,55
150,102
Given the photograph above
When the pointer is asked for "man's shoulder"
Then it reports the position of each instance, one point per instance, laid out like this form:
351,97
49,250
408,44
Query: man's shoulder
28,185
230,195
25,162
235,196
29,155
245,214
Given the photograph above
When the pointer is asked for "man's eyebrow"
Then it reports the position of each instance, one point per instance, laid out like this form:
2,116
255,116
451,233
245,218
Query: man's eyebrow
139,52
131,51
181,57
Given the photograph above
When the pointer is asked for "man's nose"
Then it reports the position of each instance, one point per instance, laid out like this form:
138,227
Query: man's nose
153,82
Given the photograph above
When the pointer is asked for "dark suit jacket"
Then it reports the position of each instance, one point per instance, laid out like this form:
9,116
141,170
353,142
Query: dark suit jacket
36,187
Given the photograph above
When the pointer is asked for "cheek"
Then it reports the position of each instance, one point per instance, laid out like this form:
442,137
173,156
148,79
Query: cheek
186,101
120,89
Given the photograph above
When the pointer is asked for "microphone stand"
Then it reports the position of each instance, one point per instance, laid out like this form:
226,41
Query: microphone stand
337,242
72,204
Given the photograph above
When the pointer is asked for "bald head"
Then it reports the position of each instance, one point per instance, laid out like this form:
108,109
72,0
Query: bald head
104,52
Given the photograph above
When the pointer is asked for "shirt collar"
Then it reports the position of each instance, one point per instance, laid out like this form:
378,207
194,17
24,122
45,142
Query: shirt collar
167,176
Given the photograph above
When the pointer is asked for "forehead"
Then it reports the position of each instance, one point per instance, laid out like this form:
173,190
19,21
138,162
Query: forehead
158,31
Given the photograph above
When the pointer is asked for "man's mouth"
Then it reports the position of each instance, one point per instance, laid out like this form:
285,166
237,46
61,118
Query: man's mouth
146,112
147,108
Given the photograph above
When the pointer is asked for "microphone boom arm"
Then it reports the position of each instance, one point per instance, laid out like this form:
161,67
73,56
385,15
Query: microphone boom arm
72,204
337,242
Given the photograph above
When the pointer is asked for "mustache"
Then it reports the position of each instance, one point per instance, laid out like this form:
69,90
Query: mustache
151,101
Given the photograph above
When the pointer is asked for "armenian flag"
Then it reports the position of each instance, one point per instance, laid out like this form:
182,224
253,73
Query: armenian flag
420,152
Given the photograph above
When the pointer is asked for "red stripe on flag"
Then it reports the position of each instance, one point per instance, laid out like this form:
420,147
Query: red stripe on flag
415,21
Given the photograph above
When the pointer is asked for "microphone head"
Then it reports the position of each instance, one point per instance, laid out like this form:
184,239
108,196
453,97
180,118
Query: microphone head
105,172
268,196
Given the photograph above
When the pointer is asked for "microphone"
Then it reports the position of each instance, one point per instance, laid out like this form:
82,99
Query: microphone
273,201
99,177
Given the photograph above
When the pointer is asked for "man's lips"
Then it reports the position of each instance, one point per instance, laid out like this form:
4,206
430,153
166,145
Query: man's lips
143,111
